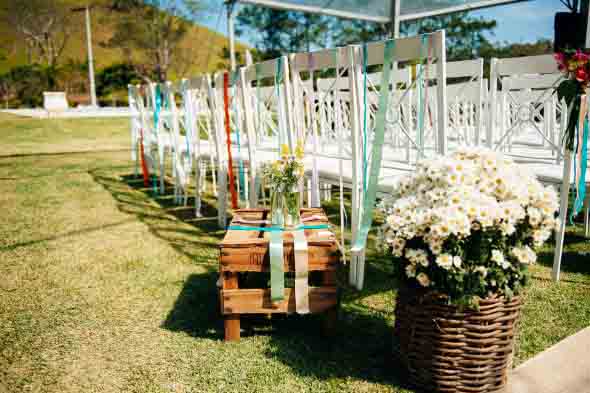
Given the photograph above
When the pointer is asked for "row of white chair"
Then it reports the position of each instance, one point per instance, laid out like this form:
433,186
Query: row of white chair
331,100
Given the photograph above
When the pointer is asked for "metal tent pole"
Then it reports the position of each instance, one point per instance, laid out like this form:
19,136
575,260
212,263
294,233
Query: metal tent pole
231,34
90,59
395,10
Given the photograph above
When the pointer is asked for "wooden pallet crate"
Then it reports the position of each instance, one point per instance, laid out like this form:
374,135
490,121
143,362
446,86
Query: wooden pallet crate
247,252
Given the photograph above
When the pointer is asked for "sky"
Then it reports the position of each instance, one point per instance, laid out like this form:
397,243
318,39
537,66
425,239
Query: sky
521,22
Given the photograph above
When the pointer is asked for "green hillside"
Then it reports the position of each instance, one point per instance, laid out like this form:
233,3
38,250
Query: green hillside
198,43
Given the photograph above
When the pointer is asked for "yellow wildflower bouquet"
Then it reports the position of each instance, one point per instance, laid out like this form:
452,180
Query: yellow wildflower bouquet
284,174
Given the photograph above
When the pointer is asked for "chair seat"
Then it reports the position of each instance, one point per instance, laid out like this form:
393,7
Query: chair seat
549,173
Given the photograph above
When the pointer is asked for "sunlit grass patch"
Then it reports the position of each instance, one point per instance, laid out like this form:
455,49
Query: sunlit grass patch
106,286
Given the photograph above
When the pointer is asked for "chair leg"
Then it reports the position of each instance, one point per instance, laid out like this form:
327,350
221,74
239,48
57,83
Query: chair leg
136,156
162,165
198,188
309,194
559,236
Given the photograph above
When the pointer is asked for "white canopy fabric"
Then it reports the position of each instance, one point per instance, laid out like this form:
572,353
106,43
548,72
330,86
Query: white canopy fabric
380,10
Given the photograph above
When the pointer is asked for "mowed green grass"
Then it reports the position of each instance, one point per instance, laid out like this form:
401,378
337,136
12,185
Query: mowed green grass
106,287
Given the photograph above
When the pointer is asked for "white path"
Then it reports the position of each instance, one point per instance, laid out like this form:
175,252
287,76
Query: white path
563,368
41,113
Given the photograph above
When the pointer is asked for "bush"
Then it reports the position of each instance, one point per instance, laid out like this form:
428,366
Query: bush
23,86
115,78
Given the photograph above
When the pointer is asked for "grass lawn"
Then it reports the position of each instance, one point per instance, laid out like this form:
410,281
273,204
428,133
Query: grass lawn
105,287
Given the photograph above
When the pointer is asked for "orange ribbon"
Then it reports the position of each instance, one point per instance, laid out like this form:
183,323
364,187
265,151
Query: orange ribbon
232,185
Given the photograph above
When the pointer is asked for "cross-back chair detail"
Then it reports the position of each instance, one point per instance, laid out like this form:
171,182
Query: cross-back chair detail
524,107
266,99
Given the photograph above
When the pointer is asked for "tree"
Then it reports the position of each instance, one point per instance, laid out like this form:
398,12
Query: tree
465,34
283,32
540,47
116,77
25,84
43,25
150,33
346,32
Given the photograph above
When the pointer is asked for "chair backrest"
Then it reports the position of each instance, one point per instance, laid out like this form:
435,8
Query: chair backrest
371,135
199,114
321,88
466,92
529,77
134,119
266,100
422,90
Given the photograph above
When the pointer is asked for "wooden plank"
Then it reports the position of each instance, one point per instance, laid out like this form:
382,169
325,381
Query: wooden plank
257,259
257,301
232,320
235,238
244,236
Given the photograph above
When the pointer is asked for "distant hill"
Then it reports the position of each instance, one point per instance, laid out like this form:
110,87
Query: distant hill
199,42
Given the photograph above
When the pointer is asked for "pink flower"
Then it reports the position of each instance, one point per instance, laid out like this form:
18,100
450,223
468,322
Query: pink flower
581,56
581,75
559,57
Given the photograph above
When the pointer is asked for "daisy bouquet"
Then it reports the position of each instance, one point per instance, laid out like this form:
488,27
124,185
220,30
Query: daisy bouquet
467,225
284,174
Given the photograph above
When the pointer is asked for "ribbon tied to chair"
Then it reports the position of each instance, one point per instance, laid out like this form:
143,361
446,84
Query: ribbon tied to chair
581,157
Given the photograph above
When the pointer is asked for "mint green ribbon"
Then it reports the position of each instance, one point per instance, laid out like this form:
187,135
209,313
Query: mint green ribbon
257,66
581,186
278,78
377,150
365,158
277,268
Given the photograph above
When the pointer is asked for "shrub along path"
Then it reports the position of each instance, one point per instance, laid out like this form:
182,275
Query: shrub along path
107,287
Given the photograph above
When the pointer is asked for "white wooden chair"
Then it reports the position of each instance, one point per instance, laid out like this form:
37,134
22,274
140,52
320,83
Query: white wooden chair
134,126
143,100
321,117
267,108
199,121
522,111
370,138
156,106
527,104
182,141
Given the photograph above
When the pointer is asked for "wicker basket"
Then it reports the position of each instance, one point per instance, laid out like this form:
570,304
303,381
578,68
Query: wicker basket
447,350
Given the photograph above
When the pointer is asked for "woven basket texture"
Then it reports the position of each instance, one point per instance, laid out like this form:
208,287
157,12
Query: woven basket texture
445,349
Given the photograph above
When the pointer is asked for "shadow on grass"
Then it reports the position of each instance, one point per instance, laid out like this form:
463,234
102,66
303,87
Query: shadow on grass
572,261
196,310
361,346
194,237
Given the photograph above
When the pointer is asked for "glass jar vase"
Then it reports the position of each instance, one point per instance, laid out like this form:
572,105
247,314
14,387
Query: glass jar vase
285,207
